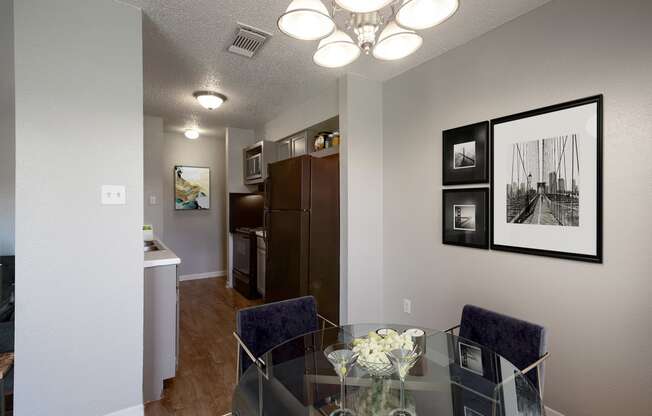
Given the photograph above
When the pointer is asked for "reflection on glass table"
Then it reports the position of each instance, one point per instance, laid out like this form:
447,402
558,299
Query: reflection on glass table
453,376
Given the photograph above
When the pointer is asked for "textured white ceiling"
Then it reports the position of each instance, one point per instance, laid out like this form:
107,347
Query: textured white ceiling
185,49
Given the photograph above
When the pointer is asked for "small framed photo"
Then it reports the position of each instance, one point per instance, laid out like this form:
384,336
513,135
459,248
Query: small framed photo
471,358
466,217
465,151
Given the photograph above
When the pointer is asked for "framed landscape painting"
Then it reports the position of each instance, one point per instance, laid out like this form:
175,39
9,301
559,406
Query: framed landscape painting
546,192
466,217
465,152
192,188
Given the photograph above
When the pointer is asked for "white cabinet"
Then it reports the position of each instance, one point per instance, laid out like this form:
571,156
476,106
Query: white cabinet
160,329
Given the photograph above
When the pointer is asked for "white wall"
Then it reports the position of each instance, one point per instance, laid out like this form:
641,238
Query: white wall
361,199
79,265
7,129
154,174
598,315
303,115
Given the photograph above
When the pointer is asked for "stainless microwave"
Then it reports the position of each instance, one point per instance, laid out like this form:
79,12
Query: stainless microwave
254,162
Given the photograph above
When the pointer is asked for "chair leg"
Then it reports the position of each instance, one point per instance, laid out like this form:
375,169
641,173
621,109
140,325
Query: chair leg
2,398
237,365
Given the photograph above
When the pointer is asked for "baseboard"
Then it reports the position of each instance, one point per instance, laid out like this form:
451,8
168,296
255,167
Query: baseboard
552,412
208,275
130,411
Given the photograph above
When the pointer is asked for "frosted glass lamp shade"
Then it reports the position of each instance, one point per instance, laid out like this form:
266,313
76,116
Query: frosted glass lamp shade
422,14
191,134
363,6
210,100
306,20
396,42
336,51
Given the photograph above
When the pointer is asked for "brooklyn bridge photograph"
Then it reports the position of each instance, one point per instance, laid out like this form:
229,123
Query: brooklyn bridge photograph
543,182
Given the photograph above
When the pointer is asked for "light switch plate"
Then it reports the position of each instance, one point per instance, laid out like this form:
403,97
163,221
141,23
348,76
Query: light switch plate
407,306
152,200
114,195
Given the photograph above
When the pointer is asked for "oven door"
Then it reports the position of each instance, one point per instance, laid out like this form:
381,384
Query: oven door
241,255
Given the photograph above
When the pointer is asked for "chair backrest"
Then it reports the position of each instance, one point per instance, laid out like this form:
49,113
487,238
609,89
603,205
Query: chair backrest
521,342
266,326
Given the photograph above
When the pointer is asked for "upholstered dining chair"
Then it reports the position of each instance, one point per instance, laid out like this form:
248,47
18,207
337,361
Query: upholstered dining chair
523,343
261,328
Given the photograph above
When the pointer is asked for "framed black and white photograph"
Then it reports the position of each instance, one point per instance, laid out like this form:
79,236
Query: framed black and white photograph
466,217
546,181
465,152
471,358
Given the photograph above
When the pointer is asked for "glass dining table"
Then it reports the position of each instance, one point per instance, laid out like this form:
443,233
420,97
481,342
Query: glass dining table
453,376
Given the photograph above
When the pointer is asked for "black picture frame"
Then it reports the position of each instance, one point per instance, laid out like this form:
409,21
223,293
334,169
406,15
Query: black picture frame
479,236
454,174
598,256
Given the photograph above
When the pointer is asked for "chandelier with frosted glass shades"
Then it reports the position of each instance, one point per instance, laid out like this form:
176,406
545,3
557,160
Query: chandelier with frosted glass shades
386,29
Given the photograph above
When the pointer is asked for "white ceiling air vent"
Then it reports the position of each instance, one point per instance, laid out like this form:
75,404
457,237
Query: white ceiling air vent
248,40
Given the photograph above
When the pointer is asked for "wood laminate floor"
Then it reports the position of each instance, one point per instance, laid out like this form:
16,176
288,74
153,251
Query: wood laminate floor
206,374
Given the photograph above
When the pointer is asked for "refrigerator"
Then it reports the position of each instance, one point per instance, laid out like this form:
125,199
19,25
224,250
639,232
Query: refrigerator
302,223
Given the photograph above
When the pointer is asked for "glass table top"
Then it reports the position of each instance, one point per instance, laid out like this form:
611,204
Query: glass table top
453,377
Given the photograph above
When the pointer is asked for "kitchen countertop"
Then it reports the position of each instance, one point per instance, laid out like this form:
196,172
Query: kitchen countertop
162,257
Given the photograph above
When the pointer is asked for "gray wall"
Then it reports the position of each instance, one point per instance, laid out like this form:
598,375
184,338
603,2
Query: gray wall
154,175
197,237
79,268
598,315
7,128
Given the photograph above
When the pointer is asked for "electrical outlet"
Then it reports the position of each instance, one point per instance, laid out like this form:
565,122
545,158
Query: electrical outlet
114,195
152,200
407,306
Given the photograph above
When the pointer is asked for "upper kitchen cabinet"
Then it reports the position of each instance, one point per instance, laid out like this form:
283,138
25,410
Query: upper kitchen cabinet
293,146
319,140
255,160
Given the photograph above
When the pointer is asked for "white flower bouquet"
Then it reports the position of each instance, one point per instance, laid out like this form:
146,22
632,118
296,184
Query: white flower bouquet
372,350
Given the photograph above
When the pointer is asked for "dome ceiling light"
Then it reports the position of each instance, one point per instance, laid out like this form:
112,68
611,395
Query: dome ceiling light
385,29
191,134
210,100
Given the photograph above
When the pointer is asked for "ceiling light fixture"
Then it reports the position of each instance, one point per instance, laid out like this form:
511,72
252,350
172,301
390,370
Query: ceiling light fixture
191,134
384,28
363,6
306,20
396,42
336,51
423,14
210,100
